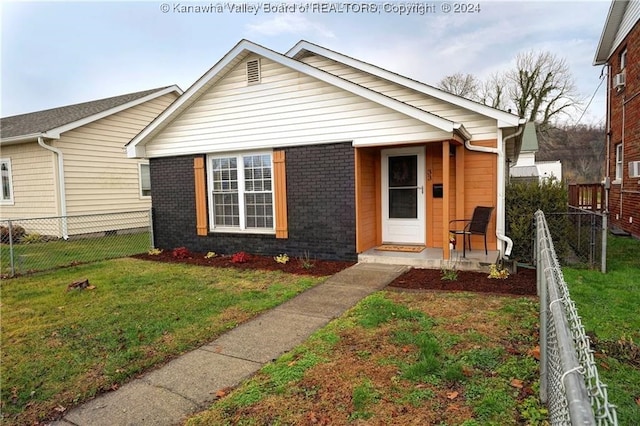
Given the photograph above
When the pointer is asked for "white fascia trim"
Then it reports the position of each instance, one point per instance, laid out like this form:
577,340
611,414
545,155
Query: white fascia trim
247,46
504,119
609,32
33,137
55,133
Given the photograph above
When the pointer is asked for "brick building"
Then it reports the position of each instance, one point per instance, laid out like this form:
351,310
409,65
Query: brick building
619,51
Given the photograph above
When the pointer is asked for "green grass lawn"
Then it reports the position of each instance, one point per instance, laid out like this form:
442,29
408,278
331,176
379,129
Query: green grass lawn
42,256
397,359
609,305
61,347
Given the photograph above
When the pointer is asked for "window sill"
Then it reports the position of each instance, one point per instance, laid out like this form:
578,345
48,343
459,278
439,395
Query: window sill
616,182
243,231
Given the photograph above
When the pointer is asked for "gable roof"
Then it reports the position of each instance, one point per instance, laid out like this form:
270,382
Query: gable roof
622,16
52,122
245,47
505,119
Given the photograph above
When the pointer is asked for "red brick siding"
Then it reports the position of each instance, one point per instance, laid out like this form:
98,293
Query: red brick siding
624,199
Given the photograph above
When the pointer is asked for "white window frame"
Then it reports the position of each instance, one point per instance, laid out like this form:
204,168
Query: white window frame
623,60
619,159
140,193
242,228
7,201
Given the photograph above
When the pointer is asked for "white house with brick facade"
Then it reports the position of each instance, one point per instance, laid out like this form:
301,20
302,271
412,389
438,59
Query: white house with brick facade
315,151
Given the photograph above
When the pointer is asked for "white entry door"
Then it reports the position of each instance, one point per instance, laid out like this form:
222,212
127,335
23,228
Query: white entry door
403,198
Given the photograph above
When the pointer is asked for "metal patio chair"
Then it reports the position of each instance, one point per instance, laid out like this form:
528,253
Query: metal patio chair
477,225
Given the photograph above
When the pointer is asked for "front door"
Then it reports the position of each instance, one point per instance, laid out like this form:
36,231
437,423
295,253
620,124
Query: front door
403,206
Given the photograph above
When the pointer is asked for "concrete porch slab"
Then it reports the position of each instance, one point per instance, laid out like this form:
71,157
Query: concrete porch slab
432,258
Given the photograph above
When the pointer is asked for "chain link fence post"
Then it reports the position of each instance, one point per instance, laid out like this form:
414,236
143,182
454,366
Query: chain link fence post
11,252
603,255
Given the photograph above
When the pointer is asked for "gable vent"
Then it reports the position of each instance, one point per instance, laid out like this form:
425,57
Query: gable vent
253,71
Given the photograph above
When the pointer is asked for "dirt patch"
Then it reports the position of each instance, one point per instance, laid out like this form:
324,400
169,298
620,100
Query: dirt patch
521,283
299,266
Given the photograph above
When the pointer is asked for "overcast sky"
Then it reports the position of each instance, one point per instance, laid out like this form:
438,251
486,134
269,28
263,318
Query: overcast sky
58,53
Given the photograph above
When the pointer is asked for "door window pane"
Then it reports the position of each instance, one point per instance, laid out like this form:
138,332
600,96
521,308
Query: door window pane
403,171
403,203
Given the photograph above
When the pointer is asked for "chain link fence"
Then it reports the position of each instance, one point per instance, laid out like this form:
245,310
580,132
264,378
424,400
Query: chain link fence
569,381
39,244
579,236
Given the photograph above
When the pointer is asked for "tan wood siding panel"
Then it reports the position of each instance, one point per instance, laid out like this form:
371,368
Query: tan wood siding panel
33,171
367,198
201,196
286,109
481,189
98,175
280,190
479,126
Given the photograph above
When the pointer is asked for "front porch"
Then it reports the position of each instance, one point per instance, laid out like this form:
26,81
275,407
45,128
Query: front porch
432,258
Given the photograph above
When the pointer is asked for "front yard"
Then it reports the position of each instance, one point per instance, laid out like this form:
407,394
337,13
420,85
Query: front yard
61,346
401,358
398,357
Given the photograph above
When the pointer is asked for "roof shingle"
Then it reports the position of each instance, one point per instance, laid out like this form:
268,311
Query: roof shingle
43,121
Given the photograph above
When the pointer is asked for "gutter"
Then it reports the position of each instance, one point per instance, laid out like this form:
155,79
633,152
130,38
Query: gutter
500,215
63,197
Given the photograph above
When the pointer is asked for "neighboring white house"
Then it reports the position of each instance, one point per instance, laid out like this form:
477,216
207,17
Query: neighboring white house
527,168
71,160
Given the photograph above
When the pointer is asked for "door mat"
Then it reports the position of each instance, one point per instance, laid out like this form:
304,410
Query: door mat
396,247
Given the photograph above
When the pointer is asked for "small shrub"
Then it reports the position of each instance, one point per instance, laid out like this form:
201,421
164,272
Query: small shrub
496,273
240,257
281,258
305,261
154,251
210,254
181,253
447,274
17,232
32,238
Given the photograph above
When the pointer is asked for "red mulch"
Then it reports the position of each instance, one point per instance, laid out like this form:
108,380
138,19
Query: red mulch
521,283
320,268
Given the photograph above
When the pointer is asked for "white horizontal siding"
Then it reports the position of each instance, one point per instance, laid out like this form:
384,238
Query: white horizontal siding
480,126
286,109
99,177
34,189
629,20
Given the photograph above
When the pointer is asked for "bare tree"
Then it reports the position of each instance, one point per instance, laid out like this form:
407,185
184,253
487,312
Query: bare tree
493,91
541,87
465,85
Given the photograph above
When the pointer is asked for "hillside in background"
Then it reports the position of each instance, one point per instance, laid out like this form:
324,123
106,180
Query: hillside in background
581,149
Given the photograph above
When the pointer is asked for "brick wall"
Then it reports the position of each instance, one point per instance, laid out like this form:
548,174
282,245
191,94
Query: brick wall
624,198
320,202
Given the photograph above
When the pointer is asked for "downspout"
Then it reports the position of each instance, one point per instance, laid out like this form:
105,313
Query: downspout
63,198
500,216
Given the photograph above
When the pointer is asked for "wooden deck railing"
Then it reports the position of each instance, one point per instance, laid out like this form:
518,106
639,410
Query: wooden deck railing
589,196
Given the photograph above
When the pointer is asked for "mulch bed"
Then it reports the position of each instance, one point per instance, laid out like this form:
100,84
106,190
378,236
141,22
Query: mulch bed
320,268
521,283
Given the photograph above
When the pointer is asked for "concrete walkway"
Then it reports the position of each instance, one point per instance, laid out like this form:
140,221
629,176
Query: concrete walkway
189,383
